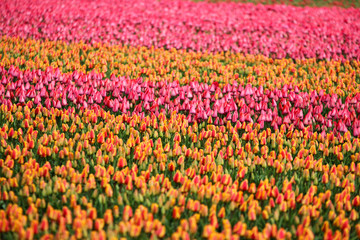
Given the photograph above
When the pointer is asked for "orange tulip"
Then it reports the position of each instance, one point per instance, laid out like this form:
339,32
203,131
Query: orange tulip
161,231
176,214
244,185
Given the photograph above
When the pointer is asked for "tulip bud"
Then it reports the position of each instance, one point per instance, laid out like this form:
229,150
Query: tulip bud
252,176
94,194
53,227
49,190
316,182
276,214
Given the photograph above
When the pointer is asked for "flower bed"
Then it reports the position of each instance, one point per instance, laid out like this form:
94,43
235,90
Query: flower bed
102,61
92,173
277,31
198,101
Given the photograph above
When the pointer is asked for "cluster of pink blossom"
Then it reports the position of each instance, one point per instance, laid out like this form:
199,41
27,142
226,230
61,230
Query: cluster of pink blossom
277,31
198,101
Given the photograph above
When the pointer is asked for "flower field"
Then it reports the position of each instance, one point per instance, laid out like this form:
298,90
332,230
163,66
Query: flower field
200,121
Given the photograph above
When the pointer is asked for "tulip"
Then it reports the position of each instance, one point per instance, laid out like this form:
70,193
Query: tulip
154,208
134,230
281,234
244,185
122,162
161,231
252,214
176,214
356,201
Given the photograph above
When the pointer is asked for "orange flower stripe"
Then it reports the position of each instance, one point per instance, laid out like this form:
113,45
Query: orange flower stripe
134,176
179,65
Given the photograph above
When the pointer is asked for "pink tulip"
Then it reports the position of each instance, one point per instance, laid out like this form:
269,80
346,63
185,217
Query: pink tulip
252,25
118,94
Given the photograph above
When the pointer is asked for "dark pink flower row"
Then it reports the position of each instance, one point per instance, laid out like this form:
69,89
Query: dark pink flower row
276,31
198,101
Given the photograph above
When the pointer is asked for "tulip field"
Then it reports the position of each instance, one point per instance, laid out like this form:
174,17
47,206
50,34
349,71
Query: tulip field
176,119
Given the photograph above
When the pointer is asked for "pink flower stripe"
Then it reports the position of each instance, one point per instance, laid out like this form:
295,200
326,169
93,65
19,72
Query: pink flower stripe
198,101
277,31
